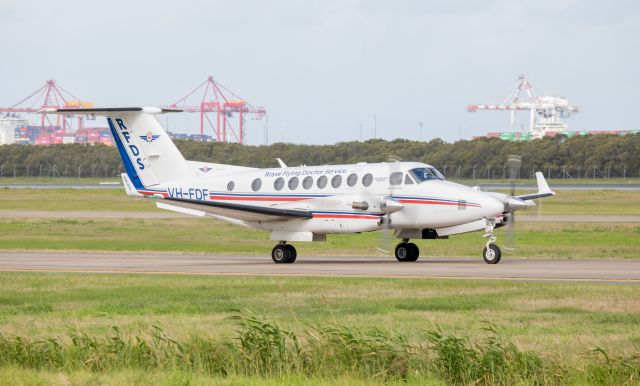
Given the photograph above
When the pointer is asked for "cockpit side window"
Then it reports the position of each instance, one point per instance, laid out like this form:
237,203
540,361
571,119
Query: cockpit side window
408,180
426,174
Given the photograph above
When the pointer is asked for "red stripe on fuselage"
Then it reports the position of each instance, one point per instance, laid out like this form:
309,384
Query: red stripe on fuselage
146,193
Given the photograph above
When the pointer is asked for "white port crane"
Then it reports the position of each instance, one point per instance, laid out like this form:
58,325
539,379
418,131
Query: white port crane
544,111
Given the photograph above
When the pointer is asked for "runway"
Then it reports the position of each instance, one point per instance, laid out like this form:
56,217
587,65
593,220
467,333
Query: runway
426,268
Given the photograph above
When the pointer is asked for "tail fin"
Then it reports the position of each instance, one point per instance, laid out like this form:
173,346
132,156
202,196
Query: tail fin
150,157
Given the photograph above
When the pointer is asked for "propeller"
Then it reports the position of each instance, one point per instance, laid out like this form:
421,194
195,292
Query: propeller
388,206
513,163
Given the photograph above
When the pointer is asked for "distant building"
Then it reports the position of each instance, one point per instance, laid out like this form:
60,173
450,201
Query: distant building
191,137
8,126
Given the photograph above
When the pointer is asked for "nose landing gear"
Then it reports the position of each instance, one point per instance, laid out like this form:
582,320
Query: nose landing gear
491,253
284,253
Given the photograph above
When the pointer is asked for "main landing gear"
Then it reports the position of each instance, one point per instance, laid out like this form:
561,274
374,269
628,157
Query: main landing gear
406,251
491,253
284,253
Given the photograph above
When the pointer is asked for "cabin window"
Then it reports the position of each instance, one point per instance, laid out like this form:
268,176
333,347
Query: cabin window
256,184
395,178
278,184
307,183
336,181
352,179
293,183
322,182
408,180
367,179
230,186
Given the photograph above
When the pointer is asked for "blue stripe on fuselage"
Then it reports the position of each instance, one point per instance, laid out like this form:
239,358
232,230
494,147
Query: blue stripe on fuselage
128,166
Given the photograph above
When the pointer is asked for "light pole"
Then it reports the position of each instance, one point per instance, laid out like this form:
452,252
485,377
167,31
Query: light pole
474,172
488,171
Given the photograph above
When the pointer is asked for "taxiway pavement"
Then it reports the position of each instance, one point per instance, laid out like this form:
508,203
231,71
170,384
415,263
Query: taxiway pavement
201,264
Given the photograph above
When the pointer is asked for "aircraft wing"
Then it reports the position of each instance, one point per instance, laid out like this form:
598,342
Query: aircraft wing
543,189
240,211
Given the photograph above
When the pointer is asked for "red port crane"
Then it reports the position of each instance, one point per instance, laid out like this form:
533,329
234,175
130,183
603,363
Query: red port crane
224,103
49,95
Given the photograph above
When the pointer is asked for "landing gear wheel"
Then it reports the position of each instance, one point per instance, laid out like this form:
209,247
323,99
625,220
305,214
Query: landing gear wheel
407,252
293,252
283,254
491,254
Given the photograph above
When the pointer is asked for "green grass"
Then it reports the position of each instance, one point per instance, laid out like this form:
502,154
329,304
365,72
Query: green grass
434,327
72,200
533,239
57,180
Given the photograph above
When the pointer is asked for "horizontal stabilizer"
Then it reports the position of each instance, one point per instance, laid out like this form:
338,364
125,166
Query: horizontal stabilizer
128,186
108,111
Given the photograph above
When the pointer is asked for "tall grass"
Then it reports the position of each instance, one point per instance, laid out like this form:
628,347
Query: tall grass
263,348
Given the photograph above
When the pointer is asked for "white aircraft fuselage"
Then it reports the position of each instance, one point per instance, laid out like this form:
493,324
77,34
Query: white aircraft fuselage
308,202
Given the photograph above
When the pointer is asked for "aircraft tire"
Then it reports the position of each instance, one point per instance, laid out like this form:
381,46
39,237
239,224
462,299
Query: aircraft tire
281,254
492,254
294,253
415,251
407,252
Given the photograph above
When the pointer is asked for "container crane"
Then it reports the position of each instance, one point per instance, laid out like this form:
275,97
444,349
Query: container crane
545,112
224,103
50,95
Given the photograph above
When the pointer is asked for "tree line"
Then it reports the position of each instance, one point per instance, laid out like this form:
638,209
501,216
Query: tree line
598,156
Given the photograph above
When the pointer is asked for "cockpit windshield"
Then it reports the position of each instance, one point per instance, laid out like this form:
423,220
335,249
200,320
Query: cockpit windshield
426,174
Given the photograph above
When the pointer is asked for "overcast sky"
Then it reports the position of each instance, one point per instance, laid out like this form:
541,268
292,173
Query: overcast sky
323,69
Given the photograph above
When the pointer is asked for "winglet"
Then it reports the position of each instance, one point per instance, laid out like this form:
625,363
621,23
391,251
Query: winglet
281,163
543,189
128,186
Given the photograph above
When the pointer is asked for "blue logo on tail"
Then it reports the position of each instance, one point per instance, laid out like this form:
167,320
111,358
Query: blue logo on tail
150,137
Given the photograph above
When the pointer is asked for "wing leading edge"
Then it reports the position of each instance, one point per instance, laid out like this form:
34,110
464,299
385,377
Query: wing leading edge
240,211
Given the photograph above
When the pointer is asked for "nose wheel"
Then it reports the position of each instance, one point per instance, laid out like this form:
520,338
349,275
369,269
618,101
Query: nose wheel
406,251
491,253
284,253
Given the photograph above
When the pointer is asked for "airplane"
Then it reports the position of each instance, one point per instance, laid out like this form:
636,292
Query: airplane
306,203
